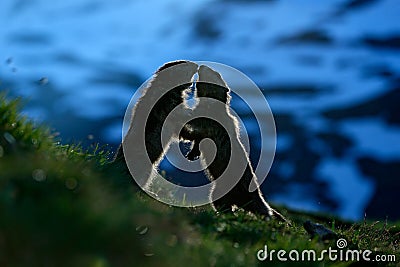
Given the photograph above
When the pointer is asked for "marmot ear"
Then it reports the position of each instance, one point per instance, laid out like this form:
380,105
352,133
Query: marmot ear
170,64
208,75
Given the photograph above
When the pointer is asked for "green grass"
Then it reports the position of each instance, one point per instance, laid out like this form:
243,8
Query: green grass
63,206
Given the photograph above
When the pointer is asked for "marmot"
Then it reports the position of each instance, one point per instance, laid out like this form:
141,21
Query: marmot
226,138
171,81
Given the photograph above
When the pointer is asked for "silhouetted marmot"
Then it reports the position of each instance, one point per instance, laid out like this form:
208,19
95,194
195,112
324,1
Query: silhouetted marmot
170,74
211,85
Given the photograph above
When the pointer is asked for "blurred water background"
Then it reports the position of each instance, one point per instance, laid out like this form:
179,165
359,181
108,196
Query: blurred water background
329,69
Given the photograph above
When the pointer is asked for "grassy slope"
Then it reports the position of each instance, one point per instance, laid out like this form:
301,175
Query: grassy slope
61,206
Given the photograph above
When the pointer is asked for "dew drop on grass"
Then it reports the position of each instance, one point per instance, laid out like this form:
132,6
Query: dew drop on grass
71,183
142,229
39,175
9,138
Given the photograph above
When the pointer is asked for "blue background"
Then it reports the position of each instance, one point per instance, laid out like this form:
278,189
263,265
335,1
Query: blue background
329,70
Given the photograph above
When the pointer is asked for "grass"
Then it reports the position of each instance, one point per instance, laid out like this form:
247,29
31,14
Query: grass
61,205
